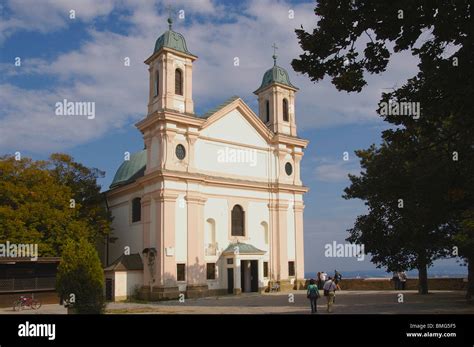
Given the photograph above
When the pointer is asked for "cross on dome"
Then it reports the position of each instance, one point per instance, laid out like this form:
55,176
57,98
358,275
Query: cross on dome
170,20
274,53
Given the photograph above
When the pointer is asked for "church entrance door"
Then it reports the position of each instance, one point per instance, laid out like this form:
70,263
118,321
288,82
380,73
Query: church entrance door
249,276
230,281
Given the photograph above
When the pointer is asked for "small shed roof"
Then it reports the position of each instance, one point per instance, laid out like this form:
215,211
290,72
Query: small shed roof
126,263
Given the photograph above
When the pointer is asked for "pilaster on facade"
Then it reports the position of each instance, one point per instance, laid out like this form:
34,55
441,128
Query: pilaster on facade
298,207
168,137
282,154
146,201
191,137
196,267
297,156
165,236
278,230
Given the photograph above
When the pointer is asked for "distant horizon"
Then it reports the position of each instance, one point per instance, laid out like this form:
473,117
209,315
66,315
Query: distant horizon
434,272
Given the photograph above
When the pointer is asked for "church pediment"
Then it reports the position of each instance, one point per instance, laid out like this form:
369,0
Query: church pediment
236,122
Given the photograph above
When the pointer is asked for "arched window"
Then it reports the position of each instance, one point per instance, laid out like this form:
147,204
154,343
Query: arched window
136,210
267,111
178,82
157,83
285,110
238,220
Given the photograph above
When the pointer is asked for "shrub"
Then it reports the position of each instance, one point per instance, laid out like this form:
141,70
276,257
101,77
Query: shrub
80,279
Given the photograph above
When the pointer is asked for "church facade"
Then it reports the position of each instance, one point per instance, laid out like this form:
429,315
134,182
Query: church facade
214,203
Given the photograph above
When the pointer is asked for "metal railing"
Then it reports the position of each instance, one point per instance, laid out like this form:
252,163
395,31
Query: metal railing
33,283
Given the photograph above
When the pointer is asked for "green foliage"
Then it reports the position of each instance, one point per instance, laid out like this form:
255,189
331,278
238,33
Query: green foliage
34,208
85,191
35,203
80,276
428,162
405,225
357,36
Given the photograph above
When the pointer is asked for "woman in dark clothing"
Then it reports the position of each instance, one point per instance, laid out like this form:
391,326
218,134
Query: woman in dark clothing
313,295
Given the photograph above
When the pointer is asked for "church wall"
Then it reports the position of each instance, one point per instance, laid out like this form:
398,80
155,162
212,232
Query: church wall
216,209
243,193
217,158
128,234
257,213
155,147
181,224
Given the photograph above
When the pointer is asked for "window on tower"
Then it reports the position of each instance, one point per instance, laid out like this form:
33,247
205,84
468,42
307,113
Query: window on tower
238,219
285,110
267,111
157,83
178,82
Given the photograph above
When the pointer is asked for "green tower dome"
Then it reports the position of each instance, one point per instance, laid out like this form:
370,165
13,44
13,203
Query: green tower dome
276,74
171,39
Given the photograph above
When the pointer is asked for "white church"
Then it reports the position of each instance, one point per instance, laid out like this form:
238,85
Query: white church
214,203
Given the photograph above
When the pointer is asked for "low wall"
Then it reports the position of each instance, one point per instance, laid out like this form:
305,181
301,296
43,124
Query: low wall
412,284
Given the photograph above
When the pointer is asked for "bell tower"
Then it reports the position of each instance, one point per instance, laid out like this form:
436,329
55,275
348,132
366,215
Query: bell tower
171,74
276,100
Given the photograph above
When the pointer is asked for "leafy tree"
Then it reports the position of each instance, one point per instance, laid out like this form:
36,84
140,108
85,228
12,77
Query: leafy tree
35,208
85,191
80,278
355,37
35,203
404,226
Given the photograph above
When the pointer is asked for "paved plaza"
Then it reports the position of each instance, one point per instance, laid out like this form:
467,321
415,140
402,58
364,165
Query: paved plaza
353,302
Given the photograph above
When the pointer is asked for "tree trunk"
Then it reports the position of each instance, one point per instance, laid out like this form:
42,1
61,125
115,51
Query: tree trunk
422,279
470,279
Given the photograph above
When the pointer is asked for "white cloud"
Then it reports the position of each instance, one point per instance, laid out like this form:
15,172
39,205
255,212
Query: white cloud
335,170
95,71
48,15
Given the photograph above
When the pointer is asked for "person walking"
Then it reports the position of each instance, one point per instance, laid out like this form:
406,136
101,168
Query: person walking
337,279
330,292
324,277
320,284
396,280
313,295
402,278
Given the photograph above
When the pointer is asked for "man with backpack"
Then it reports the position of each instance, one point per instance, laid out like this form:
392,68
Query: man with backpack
330,292
313,295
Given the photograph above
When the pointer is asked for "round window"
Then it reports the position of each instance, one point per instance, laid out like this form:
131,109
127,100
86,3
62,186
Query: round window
180,152
288,169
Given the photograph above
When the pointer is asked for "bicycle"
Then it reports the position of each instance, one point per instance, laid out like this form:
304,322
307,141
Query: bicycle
25,301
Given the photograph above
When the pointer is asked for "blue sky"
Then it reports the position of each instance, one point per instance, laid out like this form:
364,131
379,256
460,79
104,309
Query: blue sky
82,59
